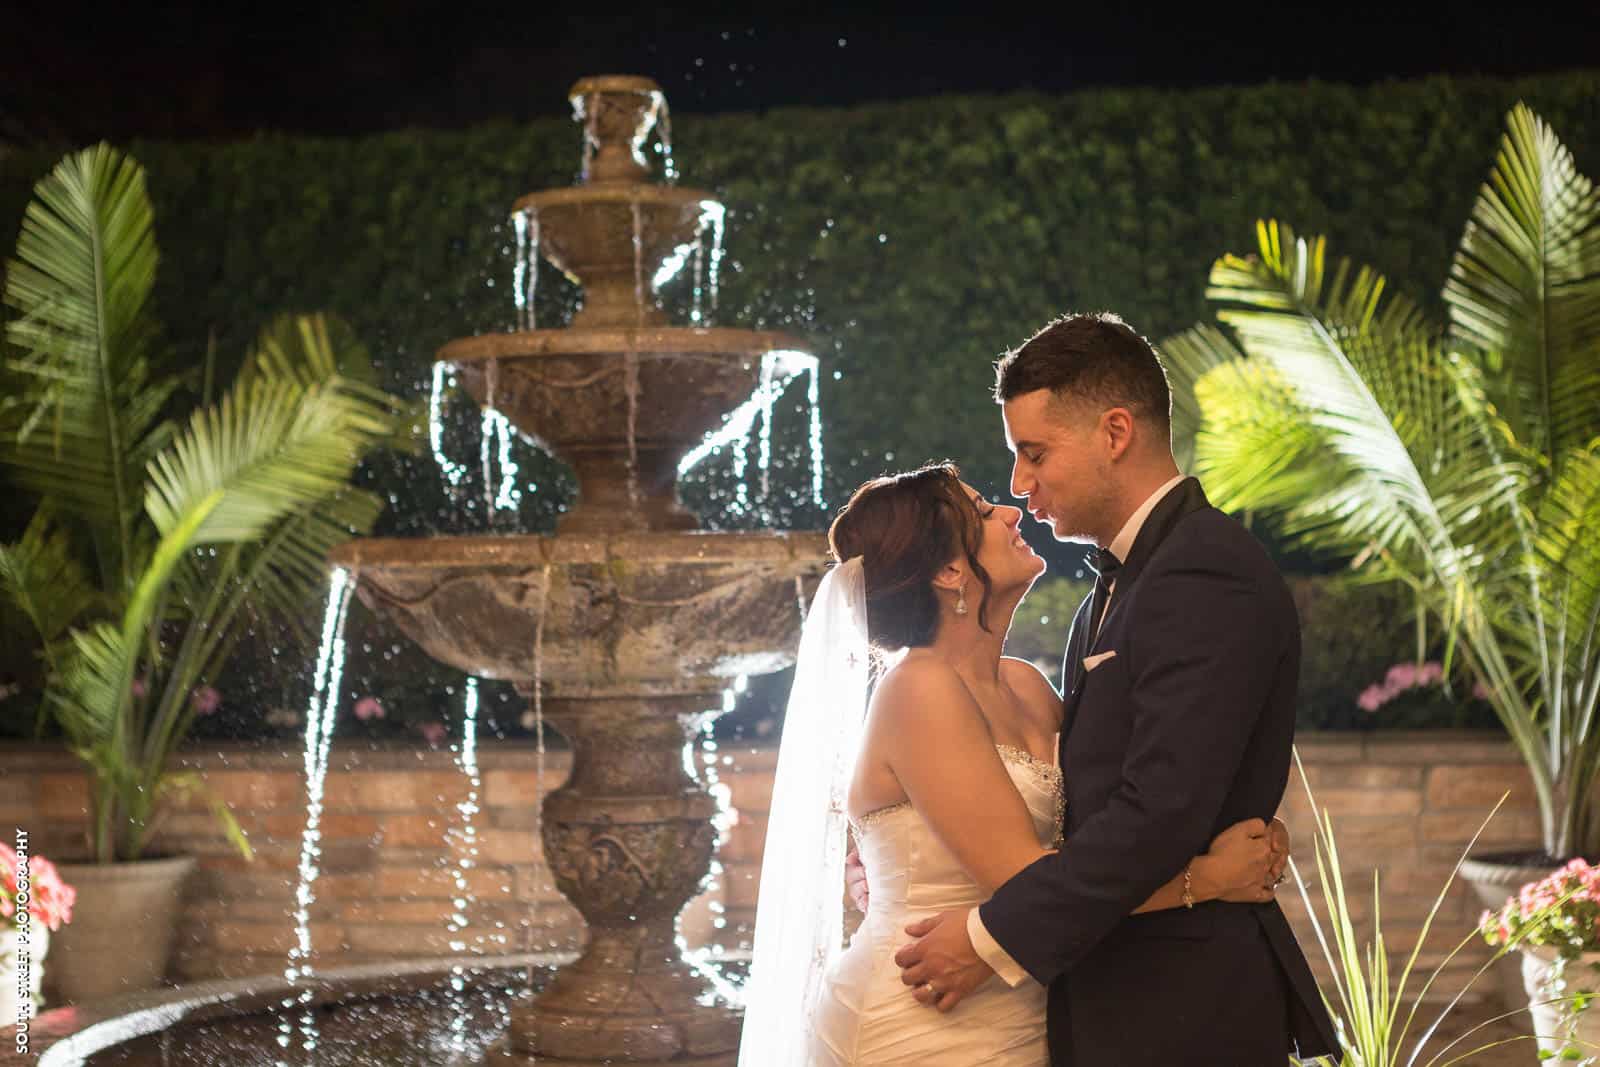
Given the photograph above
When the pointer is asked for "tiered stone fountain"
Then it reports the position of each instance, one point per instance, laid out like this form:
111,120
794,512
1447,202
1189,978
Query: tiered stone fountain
627,622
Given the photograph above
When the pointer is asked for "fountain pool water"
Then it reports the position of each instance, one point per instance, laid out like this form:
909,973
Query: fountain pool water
623,630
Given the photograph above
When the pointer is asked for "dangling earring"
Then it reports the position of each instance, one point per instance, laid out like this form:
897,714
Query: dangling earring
961,599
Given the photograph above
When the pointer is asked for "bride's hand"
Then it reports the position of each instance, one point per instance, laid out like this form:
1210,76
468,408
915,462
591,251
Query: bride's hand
855,880
1238,865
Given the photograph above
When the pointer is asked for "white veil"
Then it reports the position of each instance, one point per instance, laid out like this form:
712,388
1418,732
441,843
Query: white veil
800,911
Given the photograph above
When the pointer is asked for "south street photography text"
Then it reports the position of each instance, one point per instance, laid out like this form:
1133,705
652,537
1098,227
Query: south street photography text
24,951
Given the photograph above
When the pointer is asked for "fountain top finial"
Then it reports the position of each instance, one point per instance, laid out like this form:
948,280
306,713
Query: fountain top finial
612,83
618,111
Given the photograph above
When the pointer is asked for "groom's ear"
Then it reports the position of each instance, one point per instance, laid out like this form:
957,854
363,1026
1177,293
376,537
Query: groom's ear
1116,430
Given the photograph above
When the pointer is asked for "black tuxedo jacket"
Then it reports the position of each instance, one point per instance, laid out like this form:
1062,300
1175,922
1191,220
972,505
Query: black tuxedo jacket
1181,733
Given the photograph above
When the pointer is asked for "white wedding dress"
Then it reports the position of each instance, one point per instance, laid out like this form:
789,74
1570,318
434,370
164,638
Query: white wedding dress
865,1016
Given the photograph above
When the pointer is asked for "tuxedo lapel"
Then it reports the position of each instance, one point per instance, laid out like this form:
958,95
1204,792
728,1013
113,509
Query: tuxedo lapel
1184,498
1072,672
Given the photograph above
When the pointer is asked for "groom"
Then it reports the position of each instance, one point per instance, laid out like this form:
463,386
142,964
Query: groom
1179,692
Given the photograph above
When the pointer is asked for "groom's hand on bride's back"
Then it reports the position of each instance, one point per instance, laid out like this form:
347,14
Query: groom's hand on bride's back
941,966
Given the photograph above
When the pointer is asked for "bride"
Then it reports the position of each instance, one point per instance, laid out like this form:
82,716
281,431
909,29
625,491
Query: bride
948,782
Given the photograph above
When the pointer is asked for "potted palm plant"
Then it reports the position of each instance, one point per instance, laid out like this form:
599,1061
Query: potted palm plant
157,533
1460,459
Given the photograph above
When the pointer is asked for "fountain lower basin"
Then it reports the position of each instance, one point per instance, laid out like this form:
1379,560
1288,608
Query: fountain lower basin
636,613
398,1013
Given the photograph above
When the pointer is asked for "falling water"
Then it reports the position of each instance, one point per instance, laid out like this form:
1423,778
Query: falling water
768,399
711,221
778,368
509,496
589,139
695,315
525,270
536,723
534,244
704,280
453,472
492,374
519,269
534,719
638,262
719,218
320,711
466,838
741,460
814,438
704,959
669,170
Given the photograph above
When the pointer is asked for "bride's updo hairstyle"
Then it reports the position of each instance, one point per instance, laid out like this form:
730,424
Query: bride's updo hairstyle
907,527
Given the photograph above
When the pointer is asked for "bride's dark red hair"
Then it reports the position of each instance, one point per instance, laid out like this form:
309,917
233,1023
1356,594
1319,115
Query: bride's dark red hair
907,527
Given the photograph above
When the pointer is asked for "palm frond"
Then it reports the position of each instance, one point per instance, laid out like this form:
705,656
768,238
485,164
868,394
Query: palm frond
1567,559
267,449
1188,357
318,349
288,569
1524,289
308,349
1371,376
45,580
1257,448
86,414
91,687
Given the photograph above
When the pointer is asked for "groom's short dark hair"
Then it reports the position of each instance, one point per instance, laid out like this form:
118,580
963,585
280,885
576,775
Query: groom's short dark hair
1093,357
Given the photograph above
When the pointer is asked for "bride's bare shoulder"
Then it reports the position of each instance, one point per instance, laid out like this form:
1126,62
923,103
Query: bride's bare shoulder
921,685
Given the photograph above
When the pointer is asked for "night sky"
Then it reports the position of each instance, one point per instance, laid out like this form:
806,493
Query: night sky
75,71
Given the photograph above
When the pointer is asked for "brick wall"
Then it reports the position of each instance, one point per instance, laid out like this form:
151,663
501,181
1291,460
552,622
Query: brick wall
1403,804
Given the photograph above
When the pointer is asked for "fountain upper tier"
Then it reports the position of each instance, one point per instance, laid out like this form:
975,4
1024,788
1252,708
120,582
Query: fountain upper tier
636,613
613,238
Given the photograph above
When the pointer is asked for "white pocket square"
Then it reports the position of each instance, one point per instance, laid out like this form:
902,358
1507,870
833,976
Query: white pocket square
1091,662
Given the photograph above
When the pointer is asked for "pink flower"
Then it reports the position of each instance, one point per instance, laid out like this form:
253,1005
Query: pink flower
205,700
1430,673
432,732
1480,691
50,900
1401,676
1371,699
138,689
369,708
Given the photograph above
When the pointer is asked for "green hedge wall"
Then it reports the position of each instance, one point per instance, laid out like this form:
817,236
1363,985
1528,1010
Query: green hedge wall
912,242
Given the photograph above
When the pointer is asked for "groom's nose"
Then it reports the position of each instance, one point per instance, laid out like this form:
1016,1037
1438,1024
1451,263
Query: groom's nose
1021,486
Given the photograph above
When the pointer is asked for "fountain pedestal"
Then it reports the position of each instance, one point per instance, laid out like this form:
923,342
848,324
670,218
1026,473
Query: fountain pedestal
629,839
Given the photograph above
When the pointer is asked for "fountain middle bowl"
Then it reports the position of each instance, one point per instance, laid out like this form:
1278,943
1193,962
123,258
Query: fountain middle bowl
570,388
640,613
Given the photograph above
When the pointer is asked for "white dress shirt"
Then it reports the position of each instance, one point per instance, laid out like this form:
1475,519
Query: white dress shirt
987,947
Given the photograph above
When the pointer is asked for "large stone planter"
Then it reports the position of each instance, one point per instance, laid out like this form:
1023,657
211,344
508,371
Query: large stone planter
1494,877
14,955
1551,1021
122,926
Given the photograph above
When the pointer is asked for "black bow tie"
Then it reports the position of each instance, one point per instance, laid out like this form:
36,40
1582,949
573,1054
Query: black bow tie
1103,563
